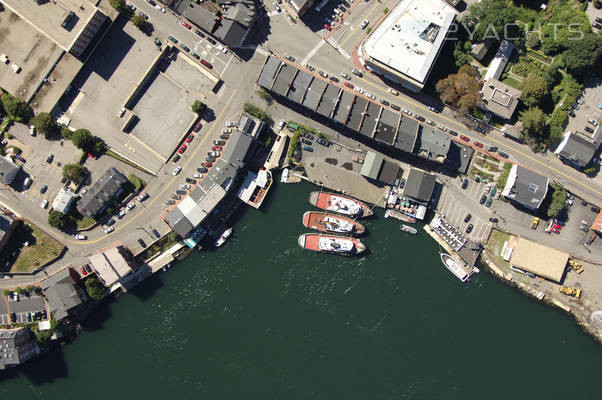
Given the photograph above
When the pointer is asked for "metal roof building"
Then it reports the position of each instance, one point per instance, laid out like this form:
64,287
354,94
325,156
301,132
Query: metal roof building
237,149
63,200
541,260
102,192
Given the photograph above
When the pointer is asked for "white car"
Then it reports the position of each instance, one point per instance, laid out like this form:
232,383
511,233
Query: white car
109,229
184,186
277,7
121,214
364,24
373,97
44,203
197,176
158,7
81,237
407,112
220,47
393,92
176,171
214,153
143,197
281,124
359,89
230,124
130,206
32,130
226,130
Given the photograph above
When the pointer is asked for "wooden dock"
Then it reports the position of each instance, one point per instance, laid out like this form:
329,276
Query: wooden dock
467,268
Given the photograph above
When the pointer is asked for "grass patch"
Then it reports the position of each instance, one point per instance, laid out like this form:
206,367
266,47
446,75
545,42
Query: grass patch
137,182
159,246
495,244
42,249
510,81
539,56
84,222
503,177
124,160
255,111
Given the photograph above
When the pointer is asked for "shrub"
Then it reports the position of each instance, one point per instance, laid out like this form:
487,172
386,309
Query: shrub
119,5
139,21
255,111
199,107
94,288
136,182
57,219
73,172
44,123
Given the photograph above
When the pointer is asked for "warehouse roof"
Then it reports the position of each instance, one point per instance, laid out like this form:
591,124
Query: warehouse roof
544,261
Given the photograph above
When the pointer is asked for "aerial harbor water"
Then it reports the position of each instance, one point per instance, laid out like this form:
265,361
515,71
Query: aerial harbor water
264,319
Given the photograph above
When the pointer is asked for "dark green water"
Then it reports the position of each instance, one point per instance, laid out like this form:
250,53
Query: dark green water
264,319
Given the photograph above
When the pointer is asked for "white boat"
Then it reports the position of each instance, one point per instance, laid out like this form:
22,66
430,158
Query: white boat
223,237
284,177
454,267
408,229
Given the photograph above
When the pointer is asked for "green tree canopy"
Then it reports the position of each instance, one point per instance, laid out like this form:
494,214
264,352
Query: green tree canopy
584,56
199,107
94,288
14,107
73,172
82,139
44,123
461,90
490,17
534,88
558,201
119,5
57,219
139,21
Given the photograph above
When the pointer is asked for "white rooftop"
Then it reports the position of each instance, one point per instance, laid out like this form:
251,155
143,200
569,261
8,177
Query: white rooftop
410,37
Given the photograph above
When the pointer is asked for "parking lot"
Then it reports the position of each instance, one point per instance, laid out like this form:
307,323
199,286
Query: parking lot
456,203
24,305
591,99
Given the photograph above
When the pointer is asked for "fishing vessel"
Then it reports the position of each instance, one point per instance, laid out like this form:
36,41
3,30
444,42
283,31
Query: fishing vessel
331,244
222,239
332,223
339,204
400,216
454,267
409,229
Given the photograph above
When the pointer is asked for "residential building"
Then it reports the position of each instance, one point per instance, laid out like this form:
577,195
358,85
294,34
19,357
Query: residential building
499,99
63,296
514,131
419,186
525,188
63,201
432,144
8,171
102,193
238,148
405,45
497,65
576,150
8,223
250,125
16,347
112,264
479,50
541,260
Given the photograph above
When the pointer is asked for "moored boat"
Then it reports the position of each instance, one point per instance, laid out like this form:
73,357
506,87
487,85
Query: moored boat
454,267
331,223
409,229
222,239
331,244
339,204
400,216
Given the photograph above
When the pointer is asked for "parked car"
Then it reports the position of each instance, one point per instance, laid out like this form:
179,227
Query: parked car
180,192
327,27
50,158
333,78
419,117
364,24
196,175
385,102
464,183
199,33
323,142
83,271
492,149
309,66
494,220
453,133
120,214
357,72
156,233
182,149
141,243
216,148
469,228
170,202
535,223
32,130
43,189
190,138
349,85
478,144
346,76
202,170
395,107
428,121
185,24
433,109
175,158
224,136
206,63
184,186
227,130
207,164
323,74
488,202
281,125
482,199
218,143
109,229
393,92
306,148
288,57
142,197
467,217
407,112
588,129
44,203
466,139
176,171
502,154
80,237
210,159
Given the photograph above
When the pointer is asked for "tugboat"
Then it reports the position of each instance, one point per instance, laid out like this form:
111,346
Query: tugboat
331,223
339,204
408,229
223,237
347,246
454,267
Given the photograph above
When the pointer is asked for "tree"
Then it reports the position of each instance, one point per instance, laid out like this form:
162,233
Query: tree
94,288
82,139
57,219
199,107
558,201
119,5
461,56
14,107
534,88
99,146
461,90
139,21
73,172
491,18
44,123
583,56
533,40
533,121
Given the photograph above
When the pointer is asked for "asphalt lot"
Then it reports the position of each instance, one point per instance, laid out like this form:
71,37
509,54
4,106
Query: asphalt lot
25,304
592,98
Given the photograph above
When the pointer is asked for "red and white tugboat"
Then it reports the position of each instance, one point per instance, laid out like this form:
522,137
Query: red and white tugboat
331,244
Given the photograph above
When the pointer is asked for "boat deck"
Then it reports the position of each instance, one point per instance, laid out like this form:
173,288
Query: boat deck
467,268
311,242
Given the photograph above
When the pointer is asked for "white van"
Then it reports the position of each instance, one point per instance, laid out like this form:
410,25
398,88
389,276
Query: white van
26,183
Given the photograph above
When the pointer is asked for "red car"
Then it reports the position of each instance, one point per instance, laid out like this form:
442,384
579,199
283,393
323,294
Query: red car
464,138
326,26
556,226
84,272
207,164
182,149
206,64
185,25
91,156
349,85
198,127
189,138
217,148
478,144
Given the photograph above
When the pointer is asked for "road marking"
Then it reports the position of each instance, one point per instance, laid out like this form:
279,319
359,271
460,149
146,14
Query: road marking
262,51
366,17
226,67
168,184
312,52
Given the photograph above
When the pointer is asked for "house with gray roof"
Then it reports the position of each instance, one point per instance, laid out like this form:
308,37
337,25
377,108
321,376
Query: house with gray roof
102,193
432,144
576,150
64,298
16,346
8,170
237,149
419,186
525,188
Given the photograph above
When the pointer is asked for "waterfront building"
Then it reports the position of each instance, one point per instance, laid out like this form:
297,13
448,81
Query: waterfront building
541,260
255,187
404,46
112,264
525,188
376,168
16,346
63,296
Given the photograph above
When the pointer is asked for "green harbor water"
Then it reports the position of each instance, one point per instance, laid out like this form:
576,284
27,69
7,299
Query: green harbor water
260,318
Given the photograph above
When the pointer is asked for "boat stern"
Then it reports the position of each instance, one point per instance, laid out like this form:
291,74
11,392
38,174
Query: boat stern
359,246
301,240
306,218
